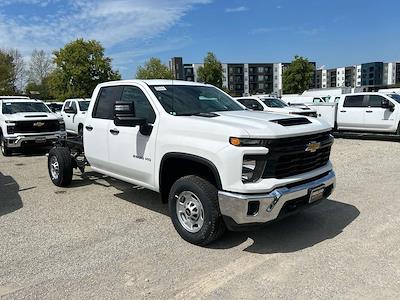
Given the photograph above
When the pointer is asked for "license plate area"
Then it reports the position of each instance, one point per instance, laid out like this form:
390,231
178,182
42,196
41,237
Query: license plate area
40,140
316,194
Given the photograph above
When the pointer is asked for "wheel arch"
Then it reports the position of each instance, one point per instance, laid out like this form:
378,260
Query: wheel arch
194,165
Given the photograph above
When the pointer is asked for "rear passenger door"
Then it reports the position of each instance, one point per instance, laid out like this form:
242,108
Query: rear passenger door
351,113
131,153
376,117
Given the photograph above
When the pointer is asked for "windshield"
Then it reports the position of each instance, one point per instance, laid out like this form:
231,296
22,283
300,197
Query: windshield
396,97
55,107
84,105
274,102
18,107
190,100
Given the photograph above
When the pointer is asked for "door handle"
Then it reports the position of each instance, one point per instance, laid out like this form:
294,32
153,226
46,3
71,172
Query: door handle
343,111
114,131
68,116
369,111
89,128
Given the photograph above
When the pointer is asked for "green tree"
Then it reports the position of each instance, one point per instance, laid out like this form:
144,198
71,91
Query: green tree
7,74
211,71
154,69
79,67
297,77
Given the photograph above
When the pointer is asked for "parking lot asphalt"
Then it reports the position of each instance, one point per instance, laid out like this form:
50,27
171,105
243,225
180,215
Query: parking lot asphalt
104,239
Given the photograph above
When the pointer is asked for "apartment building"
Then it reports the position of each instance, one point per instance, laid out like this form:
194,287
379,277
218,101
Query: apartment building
241,78
266,78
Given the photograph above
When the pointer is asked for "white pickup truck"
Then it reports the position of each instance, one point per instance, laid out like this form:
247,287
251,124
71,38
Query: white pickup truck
217,164
27,123
272,104
74,114
363,112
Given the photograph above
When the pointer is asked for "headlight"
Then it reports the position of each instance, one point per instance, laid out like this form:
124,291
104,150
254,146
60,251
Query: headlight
10,129
244,142
253,167
62,125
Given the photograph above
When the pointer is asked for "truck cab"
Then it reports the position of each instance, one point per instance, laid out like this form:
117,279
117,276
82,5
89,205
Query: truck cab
27,123
217,165
371,112
74,114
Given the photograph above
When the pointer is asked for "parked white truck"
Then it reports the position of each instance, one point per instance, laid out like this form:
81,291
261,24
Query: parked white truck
217,164
276,105
74,114
27,123
363,112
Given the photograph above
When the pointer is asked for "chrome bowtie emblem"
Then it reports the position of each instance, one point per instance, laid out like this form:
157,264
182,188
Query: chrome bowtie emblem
313,147
38,124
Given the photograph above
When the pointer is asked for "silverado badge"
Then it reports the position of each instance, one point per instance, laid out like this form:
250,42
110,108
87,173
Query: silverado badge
313,147
38,124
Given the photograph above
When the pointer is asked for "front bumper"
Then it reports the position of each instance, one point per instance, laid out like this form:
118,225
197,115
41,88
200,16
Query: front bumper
34,139
242,208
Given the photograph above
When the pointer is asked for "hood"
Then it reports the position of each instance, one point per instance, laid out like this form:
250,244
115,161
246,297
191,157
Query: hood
31,116
262,124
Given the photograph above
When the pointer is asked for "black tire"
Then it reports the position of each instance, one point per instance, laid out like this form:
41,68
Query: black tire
213,226
398,129
62,156
4,148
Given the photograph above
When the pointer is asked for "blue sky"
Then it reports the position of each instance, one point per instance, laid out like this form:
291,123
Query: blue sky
333,33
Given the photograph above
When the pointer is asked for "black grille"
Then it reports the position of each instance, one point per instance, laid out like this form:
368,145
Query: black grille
37,126
288,157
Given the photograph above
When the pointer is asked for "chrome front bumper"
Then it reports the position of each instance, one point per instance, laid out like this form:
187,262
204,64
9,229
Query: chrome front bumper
236,206
17,141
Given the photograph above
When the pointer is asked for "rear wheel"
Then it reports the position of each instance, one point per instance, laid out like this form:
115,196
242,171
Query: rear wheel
60,166
5,150
194,210
398,129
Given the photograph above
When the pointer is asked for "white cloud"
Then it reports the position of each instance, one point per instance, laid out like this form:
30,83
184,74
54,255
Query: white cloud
236,9
114,23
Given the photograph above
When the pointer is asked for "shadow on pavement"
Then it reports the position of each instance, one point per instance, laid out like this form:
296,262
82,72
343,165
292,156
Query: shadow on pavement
10,200
303,230
306,229
128,192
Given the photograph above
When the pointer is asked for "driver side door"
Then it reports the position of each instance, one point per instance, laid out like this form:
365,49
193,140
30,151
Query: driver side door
131,152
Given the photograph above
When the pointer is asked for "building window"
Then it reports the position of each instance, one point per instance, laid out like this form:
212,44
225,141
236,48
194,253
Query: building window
260,70
261,86
260,77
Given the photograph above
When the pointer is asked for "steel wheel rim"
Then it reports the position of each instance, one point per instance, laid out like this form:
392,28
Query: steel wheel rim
54,168
190,211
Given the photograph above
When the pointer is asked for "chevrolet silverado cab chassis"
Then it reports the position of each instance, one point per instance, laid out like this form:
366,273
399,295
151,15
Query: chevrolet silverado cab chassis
217,164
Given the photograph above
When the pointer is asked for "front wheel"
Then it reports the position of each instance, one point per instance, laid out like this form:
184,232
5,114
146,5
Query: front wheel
5,150
194,210
60,166
398,129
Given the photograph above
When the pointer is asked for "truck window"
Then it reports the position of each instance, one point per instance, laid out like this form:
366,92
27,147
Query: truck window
143,108
375,101
66,105
104,107
251,104
354,101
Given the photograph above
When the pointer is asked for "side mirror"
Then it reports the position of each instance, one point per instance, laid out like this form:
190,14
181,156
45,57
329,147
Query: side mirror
70,110
124,115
